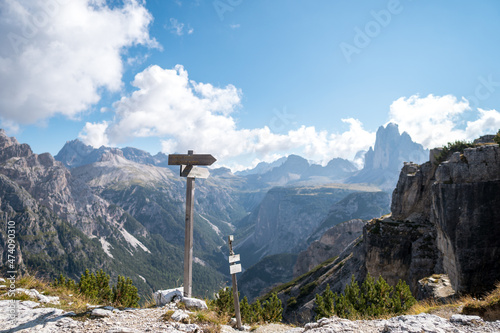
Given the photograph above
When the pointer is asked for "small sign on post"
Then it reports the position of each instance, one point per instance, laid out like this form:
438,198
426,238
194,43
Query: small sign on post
189,170
233,269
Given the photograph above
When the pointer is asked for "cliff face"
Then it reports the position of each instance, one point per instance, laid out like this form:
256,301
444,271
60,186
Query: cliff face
331,244
466,213
448,220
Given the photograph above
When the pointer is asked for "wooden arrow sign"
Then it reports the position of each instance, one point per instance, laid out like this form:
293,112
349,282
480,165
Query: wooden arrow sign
194,172
195,159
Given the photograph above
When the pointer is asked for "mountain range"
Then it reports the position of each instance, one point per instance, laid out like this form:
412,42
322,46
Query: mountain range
122,209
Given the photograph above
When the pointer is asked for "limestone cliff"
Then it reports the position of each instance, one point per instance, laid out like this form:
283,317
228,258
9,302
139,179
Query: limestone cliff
331,244
385,159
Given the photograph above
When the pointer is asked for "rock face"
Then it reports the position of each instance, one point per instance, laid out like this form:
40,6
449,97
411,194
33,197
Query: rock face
452,215
383,162
466,212
359,205
266,274
331,244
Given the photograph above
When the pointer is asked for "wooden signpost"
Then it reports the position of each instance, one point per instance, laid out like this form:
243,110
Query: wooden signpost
233,269
189,169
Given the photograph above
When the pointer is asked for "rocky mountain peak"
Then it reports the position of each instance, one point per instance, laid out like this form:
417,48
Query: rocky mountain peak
10,147
113,155
384,160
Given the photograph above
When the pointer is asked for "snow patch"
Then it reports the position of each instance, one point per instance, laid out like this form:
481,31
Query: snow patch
133,241
106,246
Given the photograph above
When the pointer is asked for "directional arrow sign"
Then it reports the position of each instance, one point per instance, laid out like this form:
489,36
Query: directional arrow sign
195,159
194,172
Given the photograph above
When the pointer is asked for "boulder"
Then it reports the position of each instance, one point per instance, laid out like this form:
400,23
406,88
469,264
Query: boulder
194,303
101,313
437,286
163,297
179,316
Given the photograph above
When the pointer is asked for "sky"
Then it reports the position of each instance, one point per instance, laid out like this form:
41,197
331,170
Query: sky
248,81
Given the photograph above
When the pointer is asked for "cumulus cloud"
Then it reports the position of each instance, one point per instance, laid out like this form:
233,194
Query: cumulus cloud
186,114
94,134
434,121
58,55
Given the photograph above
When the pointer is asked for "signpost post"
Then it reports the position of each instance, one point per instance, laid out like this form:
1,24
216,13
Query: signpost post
233,269
191,171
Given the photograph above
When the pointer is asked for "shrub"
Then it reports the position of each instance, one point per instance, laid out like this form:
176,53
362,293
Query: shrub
452,147
125,293
372,299
224,302
270,311
96,287
65,283
497,137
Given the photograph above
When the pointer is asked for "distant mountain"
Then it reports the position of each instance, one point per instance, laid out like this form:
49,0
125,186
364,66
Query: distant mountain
75,153
262,167
296,170
286,217
386,158
358,205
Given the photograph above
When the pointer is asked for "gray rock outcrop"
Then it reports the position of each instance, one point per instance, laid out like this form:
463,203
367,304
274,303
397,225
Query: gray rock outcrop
331,244
466,213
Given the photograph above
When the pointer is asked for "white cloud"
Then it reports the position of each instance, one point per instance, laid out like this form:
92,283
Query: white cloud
434,121
235,26
94,134
488,123
186,114
177,28
57,55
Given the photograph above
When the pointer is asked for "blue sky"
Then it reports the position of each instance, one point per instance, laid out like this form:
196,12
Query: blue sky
247,80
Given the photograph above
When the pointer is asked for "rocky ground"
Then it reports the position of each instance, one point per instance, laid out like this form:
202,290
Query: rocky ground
29,316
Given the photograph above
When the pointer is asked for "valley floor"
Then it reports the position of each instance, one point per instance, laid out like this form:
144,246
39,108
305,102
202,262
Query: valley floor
30,317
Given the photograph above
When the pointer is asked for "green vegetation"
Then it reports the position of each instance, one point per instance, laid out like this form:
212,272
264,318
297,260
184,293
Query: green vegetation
372,299
96,287
452,147
497,137
268,312
287,286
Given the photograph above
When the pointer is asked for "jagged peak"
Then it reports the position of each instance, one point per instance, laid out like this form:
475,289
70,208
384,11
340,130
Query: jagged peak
113,155
5,140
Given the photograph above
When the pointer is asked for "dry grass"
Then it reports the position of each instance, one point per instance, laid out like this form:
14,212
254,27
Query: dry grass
488,308
69,299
